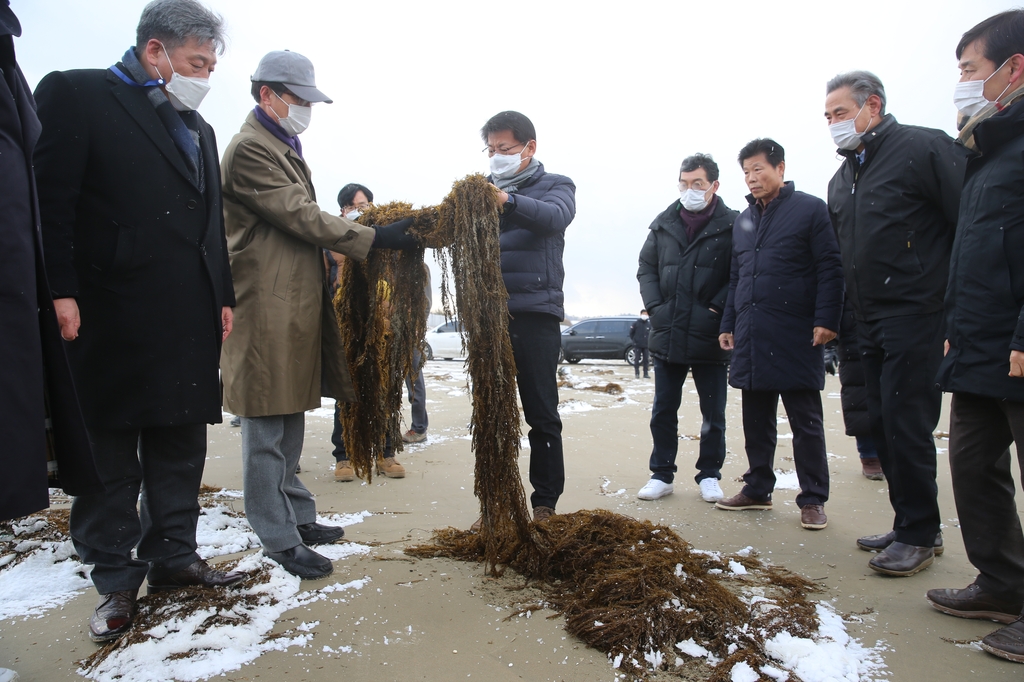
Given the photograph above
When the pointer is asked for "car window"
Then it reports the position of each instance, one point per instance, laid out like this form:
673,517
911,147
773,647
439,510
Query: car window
613,326
585,328
445,328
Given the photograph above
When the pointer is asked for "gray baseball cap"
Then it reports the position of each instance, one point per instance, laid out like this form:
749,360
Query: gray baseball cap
292,70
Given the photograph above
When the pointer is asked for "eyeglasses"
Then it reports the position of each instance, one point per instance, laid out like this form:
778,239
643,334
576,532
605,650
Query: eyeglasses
696,184
503,151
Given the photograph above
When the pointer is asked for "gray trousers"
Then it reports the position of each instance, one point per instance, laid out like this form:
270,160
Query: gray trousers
275,499
165,465
417,397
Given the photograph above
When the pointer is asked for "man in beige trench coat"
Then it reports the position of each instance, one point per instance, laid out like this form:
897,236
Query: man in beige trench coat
285,327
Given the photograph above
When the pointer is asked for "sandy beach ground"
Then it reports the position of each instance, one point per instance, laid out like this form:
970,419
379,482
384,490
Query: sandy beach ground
444,620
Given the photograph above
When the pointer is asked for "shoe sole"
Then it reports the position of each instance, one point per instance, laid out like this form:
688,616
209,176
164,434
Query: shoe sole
752,507
903,574
814,526
1016,658
387,475
104,639
875,477
653,497
344,479
995,616
938,550
713,500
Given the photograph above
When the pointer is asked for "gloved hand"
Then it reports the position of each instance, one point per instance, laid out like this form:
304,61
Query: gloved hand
393,236
831,358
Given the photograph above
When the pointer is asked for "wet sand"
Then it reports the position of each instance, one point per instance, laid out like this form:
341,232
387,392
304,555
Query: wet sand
443,620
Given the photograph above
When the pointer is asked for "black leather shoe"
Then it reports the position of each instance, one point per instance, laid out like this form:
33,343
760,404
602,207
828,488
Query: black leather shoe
319,534
113,615
303,562
901,559
974,602
197,574
1007,642
876,543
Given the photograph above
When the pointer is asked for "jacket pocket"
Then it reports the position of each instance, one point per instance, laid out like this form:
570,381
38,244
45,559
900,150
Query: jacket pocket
283,277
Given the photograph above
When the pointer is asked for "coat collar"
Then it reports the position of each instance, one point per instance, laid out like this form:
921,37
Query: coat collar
871,139
138,106
670,222
996,131
280,147
787,191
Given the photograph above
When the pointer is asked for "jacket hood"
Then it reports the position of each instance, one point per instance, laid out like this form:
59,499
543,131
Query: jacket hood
9,24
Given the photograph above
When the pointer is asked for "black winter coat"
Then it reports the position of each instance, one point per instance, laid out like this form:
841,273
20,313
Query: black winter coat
33,354
854,391
681,281
532,241
985,297
130,236
639,332
786,279
895,217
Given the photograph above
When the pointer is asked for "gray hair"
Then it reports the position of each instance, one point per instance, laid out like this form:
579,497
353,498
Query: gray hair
862,85
174,22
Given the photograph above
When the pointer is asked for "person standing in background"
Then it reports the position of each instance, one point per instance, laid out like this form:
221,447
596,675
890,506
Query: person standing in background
638,333
684,282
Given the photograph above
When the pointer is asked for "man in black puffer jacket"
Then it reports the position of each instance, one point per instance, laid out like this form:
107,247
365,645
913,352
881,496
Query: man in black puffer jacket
538,207
684,281
984,363
893,203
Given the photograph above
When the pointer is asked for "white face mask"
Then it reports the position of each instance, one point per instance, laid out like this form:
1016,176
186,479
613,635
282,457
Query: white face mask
506,165
694,200
353,214
844,133
969,96
643,317
297,120
184,93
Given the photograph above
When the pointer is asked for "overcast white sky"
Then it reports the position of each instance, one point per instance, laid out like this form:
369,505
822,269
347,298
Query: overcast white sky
620,93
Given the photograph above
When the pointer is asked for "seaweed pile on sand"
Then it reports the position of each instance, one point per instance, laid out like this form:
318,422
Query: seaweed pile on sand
632,589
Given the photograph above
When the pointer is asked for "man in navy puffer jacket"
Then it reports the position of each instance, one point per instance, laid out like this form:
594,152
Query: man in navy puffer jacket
538,207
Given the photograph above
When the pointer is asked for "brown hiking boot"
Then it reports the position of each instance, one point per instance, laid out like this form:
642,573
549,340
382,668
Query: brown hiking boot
1007,642
542,514
740,502
390,468
812,516
343,471
872,468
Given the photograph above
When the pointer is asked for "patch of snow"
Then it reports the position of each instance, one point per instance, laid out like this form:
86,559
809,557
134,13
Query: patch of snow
691,648
742,672
786,480
46,579
832,655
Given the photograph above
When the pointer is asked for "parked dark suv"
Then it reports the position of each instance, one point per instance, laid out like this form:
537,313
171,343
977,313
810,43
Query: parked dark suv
598,338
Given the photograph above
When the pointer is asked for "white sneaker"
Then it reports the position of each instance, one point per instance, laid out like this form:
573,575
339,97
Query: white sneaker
710,491
654,489
8,675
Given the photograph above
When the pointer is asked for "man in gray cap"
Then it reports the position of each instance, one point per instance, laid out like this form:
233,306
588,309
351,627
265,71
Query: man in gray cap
285,328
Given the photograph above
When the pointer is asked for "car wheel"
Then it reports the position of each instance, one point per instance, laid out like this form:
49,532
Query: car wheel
629,356
561,356
428,352
572,361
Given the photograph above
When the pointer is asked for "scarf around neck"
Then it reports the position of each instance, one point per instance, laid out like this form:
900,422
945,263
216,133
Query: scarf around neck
183,126
969,125
511,184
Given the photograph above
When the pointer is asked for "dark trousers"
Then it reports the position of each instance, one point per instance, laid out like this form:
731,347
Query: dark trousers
536,339
760,431
417,396
901,356
338,439
641,355
165,465
980,433
710,381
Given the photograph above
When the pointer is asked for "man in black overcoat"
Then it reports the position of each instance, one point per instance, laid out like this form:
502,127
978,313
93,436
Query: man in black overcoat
130,200
36,381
